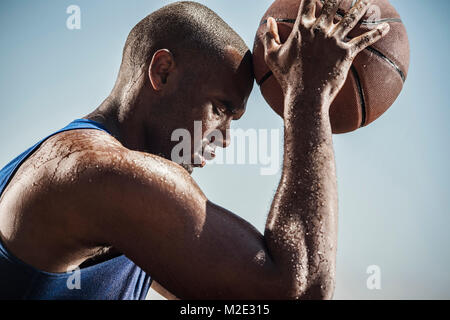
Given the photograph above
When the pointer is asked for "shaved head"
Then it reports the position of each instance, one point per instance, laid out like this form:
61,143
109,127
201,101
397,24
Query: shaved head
188,29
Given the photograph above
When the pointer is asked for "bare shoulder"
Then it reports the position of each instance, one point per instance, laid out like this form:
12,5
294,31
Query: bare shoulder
102,162
91,156
51,193
118,184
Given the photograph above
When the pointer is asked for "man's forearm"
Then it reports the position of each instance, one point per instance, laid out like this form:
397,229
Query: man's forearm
301,230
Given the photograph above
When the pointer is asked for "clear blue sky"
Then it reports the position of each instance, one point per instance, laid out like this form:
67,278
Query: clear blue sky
393,176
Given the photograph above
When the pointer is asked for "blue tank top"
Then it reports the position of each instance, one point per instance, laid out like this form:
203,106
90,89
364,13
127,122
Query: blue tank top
115,279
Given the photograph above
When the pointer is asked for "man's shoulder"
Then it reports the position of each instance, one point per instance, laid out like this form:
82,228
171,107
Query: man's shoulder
84,147
116,187
98,164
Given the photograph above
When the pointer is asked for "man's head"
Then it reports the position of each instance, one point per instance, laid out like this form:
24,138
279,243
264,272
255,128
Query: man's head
182,64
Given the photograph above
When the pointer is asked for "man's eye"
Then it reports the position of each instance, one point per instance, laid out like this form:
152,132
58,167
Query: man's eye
217,110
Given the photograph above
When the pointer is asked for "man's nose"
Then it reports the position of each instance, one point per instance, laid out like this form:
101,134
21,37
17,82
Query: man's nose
226,138
226,133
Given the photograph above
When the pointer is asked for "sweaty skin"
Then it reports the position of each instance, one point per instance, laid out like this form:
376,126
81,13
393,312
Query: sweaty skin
94,195
301,230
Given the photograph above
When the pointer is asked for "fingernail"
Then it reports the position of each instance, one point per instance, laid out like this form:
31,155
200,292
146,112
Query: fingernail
385,27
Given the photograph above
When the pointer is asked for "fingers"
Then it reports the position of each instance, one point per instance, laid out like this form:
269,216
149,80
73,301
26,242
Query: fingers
306,10
309,13
272,39
328,13
352,18
273,30
369,38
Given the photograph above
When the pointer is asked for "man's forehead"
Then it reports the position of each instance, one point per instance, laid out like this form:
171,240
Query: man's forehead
241,71
233,56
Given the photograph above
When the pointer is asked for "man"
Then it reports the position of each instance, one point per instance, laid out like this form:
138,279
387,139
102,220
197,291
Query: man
102,195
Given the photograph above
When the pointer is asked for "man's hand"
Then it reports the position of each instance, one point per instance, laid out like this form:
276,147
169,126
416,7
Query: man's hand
316,57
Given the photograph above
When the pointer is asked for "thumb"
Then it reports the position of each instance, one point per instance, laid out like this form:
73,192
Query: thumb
272,39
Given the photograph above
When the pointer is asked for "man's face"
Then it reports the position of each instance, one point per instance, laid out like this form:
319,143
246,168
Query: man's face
204,103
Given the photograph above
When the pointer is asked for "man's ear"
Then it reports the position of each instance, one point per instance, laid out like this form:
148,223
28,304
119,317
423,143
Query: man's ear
160,69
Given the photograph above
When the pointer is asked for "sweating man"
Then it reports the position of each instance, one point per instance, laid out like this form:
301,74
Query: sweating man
103,197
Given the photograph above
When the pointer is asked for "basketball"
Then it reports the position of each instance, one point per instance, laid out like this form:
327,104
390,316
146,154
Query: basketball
375,79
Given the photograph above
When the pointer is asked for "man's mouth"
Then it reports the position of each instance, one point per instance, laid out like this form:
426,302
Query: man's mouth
201,159
209,152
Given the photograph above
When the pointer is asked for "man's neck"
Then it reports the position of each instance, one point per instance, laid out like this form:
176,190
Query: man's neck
124,128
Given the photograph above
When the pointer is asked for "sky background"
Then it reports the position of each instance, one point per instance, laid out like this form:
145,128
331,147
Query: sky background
393,176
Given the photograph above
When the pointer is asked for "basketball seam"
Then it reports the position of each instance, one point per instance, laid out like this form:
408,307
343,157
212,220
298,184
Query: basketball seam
361,96
392,63
264,78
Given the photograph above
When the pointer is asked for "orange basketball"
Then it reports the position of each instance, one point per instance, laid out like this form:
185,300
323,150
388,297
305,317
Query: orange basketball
376,76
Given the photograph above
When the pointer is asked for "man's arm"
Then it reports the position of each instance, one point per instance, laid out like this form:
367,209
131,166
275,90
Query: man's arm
151,210
301,231
161,220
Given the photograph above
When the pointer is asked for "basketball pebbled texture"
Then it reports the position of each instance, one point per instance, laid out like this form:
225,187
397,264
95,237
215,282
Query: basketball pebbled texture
375,79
